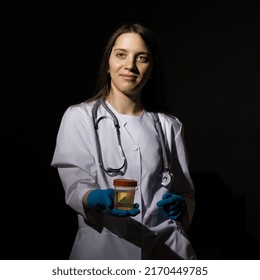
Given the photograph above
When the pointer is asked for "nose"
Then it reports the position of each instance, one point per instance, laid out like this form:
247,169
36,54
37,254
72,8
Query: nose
130,63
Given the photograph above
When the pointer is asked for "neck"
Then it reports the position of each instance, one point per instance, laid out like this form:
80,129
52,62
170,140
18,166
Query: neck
127,105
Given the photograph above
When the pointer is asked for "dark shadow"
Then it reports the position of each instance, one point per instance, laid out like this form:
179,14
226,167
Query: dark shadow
36,223
218,228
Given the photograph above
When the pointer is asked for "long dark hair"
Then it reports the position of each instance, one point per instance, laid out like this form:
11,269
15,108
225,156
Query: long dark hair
151,96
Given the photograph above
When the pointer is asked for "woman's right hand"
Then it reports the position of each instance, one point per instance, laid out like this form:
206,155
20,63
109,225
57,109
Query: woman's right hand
100,199
104,200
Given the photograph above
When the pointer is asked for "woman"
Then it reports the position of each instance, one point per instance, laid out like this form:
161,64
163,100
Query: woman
92,150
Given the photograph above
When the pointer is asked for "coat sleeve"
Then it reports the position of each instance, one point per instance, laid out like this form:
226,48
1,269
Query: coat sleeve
73,158
182,181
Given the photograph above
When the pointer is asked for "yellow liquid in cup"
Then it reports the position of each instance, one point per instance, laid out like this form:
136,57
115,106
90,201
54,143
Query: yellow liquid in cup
124,199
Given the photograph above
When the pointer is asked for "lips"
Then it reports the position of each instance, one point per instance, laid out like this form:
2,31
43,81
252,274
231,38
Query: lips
128,77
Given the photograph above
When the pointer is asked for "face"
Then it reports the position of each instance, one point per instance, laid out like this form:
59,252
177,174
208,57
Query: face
130,64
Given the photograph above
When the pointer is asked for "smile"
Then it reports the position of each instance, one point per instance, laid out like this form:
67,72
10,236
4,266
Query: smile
129,77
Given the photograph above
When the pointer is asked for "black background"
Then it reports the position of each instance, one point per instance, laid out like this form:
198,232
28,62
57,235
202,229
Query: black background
211,68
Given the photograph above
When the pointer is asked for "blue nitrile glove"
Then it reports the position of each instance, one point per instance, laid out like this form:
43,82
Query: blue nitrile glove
104,199
101,199
124,213
173,205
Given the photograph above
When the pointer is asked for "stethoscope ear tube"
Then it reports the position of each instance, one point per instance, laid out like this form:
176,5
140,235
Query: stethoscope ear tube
94,114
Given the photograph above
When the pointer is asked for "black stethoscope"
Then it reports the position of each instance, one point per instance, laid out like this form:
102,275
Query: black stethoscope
166,174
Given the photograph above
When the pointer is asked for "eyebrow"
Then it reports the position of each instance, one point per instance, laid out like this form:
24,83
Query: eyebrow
141,52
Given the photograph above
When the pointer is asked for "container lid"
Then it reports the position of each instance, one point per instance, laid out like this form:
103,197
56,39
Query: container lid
125,182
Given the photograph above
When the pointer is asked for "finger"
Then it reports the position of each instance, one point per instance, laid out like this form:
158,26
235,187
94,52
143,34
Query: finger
173,213
109,199
160,203
134,212
177,205
175,217
166,195
119,213
166,201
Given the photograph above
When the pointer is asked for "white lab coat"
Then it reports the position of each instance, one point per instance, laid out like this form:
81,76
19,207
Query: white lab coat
150,234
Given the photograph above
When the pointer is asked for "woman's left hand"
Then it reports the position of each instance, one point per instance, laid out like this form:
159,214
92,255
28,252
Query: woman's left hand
173,205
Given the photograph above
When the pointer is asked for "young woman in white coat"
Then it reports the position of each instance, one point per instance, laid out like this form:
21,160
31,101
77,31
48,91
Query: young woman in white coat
122,132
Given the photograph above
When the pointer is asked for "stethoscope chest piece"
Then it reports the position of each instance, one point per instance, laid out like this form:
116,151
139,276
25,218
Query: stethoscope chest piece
166,178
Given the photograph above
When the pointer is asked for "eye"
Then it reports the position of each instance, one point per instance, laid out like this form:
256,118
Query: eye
120,55
143,58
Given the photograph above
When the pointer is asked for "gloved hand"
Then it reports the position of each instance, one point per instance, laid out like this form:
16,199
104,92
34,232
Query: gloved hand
173,205
104,199
124,213
101,199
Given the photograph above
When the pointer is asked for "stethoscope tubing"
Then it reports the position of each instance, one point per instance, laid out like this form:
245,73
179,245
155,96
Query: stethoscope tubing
166,172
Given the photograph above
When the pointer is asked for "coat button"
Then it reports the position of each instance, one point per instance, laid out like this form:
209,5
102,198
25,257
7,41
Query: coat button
135,148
